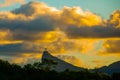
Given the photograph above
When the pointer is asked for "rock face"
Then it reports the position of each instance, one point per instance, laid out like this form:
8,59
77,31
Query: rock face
61,65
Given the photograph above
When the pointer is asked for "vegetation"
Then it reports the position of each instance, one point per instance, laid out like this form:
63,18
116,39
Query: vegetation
37,71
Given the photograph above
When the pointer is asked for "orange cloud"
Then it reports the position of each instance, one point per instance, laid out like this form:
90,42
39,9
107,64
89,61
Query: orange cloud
27,58
71,59
10,2
112,46
73,21
60,30
115,19
4,34
77,17
5,42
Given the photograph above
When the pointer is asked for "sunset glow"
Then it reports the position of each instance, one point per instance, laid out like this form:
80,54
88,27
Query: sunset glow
83,36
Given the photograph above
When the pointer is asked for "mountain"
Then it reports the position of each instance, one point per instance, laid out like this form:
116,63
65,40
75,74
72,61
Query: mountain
112,68
61,65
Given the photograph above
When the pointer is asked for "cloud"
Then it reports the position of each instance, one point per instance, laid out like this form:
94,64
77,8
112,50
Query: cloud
100,63
10,2
32,20
5,34
18,49
35,8
112,46
71,59
27,30
23,59
76,16
108,29
19,24
26,58
92,32
115,19
59,45
20,28
45,25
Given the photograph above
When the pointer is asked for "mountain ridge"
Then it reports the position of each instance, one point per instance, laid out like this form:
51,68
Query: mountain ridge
110,69
63,65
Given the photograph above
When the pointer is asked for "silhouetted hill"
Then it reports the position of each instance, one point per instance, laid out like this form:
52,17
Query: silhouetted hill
112,68
60,64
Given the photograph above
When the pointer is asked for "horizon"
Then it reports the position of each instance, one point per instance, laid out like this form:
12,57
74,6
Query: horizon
83,33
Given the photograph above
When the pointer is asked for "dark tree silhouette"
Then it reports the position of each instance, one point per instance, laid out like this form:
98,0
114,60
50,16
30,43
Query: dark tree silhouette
37,71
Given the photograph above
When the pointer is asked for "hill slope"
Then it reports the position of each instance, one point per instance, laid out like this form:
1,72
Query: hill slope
112,68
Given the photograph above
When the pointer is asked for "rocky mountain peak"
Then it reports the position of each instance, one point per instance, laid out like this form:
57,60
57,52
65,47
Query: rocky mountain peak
61,65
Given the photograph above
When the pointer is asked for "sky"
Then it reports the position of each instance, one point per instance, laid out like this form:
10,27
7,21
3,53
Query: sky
84,33
101,7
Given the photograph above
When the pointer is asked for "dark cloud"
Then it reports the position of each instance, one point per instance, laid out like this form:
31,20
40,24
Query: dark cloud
17,49
26,9
32,8
92,32
27,30
42,23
